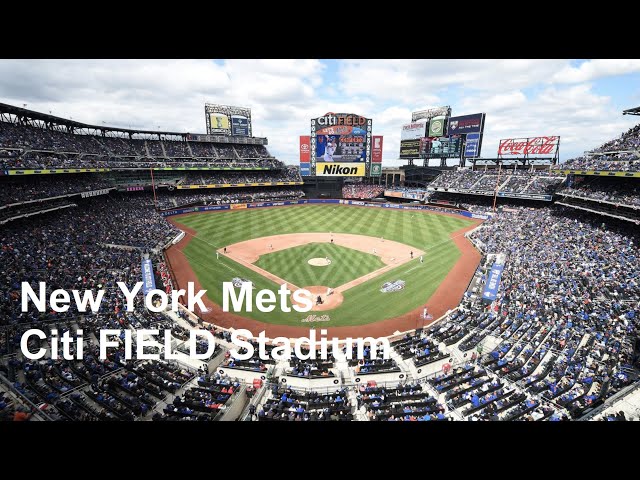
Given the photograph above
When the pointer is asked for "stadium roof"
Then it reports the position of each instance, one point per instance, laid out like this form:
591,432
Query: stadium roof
632,111
23,112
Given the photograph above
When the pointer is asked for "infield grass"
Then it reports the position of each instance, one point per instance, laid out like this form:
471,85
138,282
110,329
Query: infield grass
363,303
346,264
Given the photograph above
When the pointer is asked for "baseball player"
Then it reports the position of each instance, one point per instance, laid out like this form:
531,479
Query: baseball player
421,260
330,150
217,255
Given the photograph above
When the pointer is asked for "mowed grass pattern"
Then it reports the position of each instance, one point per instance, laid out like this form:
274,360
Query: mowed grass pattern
362,304
346,264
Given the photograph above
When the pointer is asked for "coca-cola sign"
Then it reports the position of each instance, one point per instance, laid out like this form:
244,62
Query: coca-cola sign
529,146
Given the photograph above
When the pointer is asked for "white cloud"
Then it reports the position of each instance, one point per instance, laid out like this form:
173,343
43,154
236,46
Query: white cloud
593,69
422,81
285,94
582,118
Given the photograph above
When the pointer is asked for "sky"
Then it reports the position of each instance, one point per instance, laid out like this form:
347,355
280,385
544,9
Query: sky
580,100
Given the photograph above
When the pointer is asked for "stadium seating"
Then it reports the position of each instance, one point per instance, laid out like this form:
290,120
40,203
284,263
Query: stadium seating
31,147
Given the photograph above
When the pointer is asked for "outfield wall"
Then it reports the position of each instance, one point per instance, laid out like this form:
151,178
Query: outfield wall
241,206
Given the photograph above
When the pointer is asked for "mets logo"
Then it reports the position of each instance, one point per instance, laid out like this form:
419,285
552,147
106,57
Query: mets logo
392,286
237,281
316,318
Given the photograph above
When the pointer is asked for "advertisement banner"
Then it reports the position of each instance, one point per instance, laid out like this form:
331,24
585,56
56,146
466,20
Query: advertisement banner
236,185
392,193
412,131
493,283
529,146
148,278
530,196
305,148
305,169
95,193
57,171
462,213
472,147
376,150
210,168
376,169
325,169
239,126
466,124
601,173
409,148
436,127
238,206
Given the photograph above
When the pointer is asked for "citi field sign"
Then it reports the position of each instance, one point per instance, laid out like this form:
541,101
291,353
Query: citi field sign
341,119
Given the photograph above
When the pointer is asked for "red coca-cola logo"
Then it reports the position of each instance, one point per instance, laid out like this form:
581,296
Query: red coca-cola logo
530,146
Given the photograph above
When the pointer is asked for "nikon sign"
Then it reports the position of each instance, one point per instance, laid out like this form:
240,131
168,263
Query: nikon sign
328,169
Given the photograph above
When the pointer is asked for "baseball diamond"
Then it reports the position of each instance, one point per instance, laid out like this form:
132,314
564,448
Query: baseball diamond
270,246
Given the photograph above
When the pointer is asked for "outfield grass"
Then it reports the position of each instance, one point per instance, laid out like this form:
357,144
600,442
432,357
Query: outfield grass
346,264
363,303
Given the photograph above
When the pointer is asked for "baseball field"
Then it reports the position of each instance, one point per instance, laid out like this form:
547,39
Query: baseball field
355,251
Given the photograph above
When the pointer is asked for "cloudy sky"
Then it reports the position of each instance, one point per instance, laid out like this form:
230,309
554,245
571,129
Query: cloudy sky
580,100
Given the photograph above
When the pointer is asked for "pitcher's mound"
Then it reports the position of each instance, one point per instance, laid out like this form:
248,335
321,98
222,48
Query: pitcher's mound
319,262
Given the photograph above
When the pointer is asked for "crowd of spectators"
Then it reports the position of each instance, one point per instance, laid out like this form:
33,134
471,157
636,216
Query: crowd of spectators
361,191
69,249
456,179
37,187
569,298
26,146
287,404
620,192
630,140
214,177
621,162
508,181
180,198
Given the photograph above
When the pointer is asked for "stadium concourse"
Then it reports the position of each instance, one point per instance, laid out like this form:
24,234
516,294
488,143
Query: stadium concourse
558,342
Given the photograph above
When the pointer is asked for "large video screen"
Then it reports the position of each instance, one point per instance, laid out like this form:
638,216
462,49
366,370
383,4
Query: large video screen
341,145
410,138
227,120
441,147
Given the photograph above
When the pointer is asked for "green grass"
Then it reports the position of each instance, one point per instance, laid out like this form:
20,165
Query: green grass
362,304
346,264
